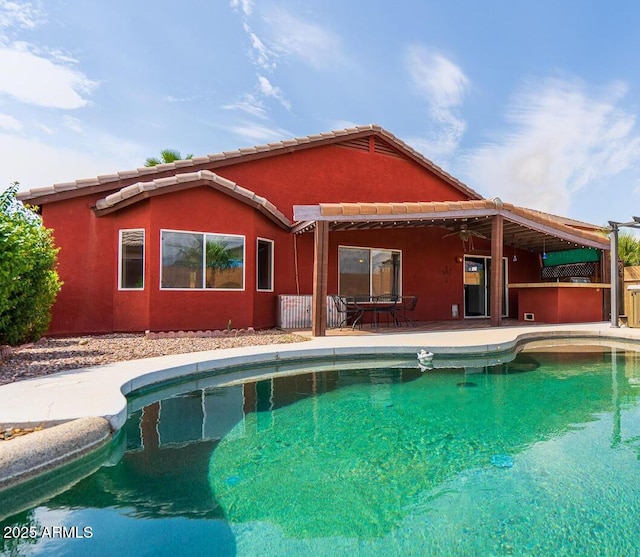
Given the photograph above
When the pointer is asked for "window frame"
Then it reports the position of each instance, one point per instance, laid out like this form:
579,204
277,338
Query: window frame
372,249
120,266
271,261
204,288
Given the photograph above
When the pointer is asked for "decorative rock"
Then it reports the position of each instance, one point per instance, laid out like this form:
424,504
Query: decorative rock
25,363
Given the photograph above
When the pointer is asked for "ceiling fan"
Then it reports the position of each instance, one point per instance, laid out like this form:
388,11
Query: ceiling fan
465,234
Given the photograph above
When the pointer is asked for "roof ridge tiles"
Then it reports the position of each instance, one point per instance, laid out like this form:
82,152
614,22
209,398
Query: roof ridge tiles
104,180
183,162
66,186
187,176
225,185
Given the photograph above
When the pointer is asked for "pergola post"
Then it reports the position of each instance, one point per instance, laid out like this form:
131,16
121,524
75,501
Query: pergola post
613,257
497,277
320,273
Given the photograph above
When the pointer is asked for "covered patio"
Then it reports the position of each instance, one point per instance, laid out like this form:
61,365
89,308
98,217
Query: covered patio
507,229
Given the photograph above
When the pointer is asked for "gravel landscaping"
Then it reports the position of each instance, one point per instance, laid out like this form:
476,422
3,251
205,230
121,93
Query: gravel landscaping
50,355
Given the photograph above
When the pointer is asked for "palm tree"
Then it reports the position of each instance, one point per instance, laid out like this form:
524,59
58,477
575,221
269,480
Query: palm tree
629,249
167,156
218,258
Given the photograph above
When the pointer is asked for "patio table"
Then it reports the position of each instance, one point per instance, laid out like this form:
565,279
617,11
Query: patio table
373,305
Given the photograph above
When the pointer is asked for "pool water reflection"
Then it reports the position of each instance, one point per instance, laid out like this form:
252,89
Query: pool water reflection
538,456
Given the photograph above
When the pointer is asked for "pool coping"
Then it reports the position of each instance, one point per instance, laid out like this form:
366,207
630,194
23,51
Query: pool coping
82,409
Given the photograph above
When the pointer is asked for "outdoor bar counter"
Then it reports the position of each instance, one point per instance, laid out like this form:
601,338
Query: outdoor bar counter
560,302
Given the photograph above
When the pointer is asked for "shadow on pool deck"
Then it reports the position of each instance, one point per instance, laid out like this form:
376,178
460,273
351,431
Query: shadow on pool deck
421,327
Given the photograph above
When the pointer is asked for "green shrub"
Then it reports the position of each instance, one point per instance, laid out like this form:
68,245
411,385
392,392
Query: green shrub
28,280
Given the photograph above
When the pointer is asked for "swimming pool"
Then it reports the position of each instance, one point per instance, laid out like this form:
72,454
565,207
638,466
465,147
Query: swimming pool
538,456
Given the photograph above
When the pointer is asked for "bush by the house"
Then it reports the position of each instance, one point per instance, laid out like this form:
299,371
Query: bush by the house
28,279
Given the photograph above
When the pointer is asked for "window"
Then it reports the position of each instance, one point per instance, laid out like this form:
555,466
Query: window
264,265
195,260
368,271
131,260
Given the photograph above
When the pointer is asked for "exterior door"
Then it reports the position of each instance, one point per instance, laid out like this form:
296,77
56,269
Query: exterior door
477,286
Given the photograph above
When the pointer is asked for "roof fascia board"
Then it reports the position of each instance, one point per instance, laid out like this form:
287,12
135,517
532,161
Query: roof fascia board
313,213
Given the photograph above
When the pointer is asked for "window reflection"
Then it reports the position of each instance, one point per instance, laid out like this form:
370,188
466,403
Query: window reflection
132,259
367,271
195,260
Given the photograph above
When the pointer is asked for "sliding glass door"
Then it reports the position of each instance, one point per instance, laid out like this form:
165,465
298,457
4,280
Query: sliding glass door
368,271
477,286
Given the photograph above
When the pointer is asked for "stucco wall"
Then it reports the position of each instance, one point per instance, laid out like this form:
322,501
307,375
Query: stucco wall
88,262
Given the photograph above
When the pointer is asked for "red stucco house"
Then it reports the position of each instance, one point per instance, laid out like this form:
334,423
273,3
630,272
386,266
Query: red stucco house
199,243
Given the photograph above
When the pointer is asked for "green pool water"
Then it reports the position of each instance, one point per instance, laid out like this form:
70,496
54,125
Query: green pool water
540,456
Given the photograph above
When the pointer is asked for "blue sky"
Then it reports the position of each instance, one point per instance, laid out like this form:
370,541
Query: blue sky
534,102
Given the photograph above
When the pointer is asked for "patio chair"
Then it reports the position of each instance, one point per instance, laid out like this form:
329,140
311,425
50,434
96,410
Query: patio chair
347,310
404,310
386,304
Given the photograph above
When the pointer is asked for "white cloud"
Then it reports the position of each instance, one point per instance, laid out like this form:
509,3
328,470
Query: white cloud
187,98
19,15
562,137
32,79
9,123
443,85
72,123
438,79
292,36
246,6
248,104
343,124
258,133
42,127
269,90
262,56
35,163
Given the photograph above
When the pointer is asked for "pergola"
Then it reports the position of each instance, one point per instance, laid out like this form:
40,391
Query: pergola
503,223
615,228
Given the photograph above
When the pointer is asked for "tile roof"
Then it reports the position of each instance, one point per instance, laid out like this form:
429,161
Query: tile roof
143,190
111,181
536,220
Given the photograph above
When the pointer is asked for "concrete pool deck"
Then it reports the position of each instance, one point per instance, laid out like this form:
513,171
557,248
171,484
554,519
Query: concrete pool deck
89,405
100,391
